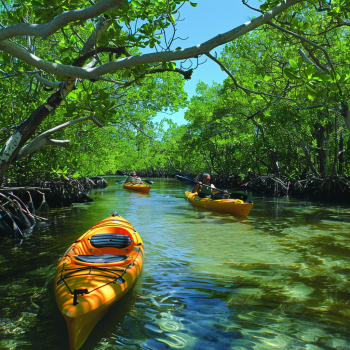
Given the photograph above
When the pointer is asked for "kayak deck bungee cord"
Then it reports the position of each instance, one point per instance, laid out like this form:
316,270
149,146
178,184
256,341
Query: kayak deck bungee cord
95,272
233,206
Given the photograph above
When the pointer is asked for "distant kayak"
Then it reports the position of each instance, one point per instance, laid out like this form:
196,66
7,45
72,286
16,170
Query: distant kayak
233,206
137,187
95,272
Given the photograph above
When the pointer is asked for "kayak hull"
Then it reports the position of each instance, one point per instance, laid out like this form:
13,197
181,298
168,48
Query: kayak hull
233,206
137,187
94,273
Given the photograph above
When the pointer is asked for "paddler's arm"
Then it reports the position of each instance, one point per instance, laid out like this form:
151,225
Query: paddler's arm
196,188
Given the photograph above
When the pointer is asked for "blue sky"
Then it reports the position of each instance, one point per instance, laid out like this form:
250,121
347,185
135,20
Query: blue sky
208,19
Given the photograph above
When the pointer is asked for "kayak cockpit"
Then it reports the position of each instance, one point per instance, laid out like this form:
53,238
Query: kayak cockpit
108,240
100,259
105,246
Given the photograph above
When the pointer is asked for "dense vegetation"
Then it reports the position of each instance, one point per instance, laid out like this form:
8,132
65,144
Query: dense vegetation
283,108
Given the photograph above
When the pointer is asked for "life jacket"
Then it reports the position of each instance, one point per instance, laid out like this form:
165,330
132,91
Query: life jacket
206,190
135,180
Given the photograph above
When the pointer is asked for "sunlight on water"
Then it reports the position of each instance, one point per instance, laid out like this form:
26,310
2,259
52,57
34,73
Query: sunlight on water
277,279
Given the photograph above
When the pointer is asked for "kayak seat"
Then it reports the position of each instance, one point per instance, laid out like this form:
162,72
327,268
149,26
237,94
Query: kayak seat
109,240
101,259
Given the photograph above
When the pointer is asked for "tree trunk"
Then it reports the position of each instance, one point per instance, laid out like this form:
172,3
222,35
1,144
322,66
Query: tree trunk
318,134
341,153
27,128
308,158
276,167
345,114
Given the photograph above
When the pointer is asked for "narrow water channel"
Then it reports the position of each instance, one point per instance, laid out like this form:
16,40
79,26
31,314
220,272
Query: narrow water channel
277,279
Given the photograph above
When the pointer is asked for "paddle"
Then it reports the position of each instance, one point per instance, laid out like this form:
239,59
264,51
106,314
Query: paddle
121,173
186,179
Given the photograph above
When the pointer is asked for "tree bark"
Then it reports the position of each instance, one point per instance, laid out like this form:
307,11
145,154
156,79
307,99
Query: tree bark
321,153
308,158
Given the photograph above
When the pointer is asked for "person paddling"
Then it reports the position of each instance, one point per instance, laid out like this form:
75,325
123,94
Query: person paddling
209,190
134,179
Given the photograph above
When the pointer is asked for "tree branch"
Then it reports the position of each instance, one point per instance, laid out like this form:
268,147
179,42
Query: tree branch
46,82
95,73
312,44
187,74
245,2
117,50
137,128
43,140
247,90
307,60
60,21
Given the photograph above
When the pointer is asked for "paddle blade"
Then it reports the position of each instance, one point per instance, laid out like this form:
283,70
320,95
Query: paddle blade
119,182
240,196
121,173
149,181
184,179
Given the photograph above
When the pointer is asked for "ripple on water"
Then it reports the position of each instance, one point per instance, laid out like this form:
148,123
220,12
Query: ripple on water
278,279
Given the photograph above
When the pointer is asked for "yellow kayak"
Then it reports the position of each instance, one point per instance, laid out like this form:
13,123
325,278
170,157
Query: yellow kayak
137,187
95,272
233,206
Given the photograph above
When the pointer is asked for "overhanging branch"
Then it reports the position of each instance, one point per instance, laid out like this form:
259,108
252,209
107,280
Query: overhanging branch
95,73
60,21
312,44
248,91
43,139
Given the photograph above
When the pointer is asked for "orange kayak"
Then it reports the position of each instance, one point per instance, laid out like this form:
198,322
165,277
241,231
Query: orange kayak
95,272
233,206
137,187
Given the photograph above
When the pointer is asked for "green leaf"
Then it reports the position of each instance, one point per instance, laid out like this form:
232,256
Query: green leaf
300,62
193,4
310,91
325,77
309,71
293,64
332,75
289,75
334,88
264,7
344,77
305,27
172,65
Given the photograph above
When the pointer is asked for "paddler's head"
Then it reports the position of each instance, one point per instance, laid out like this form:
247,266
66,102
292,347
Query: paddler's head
134,173
206,179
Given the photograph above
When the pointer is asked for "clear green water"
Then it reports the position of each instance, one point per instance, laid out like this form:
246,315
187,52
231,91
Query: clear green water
275,280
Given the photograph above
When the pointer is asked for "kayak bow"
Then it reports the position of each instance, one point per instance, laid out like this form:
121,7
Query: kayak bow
95,272
233,206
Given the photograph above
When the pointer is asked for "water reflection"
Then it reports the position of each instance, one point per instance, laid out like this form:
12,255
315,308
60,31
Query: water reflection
278,279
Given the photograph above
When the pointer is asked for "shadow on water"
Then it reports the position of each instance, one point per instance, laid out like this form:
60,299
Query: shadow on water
210,280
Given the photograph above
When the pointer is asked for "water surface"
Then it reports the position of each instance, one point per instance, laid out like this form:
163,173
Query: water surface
277,279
